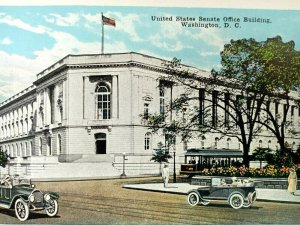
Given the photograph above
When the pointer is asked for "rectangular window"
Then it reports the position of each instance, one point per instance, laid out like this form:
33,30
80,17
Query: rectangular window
201,106
162,100
146,111
238,104
268,106
147,142
170,140
226,110
52,104
214,108
276,108
292,110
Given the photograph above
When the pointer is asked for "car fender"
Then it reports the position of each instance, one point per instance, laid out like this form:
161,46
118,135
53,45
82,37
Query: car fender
16,197
195,190
53,195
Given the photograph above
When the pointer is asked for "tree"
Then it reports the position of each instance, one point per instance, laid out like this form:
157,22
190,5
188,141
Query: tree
282,68
264,154
160,155
252,74
3,158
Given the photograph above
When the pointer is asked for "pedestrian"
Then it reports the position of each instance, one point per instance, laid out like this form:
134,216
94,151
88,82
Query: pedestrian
292,181
165,174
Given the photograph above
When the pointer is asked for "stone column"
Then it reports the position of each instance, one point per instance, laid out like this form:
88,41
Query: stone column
115,97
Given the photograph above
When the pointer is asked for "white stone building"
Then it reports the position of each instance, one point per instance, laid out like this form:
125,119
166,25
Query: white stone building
84,112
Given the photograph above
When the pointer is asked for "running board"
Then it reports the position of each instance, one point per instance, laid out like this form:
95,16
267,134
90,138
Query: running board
4,206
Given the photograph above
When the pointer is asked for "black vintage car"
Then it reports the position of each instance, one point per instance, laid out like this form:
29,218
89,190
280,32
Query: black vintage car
19,194
238,194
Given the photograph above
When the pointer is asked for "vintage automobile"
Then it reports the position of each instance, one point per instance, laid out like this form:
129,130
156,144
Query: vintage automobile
19,194
238,194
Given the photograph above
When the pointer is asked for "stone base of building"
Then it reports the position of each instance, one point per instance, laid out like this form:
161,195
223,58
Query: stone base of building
81,167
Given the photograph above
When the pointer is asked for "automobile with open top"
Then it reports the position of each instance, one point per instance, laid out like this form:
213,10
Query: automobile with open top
18,193
239,193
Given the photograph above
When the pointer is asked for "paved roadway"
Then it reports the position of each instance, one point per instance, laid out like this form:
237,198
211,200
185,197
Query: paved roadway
106,202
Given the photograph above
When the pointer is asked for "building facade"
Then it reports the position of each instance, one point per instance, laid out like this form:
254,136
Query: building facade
92,108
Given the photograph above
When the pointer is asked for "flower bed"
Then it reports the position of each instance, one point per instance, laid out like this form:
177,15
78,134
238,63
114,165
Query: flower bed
269,183
268,171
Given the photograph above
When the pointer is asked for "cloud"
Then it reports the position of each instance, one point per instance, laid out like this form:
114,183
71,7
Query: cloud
20,24
16,73
65,21
211,37
124,22
169,36
160,42
209,53
6,41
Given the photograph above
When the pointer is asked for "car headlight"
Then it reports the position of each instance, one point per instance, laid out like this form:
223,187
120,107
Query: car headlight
47,197
31,198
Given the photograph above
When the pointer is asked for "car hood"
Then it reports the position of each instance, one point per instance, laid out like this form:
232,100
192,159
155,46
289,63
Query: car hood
23,189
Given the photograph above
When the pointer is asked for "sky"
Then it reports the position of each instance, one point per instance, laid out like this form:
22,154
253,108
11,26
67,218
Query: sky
33,38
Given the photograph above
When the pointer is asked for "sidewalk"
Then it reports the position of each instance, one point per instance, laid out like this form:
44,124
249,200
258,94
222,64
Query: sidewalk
274,195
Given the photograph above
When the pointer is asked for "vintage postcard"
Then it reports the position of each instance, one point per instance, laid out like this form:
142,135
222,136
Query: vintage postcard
138,112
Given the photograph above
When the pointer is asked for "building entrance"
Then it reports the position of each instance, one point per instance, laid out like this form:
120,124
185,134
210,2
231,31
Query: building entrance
100,140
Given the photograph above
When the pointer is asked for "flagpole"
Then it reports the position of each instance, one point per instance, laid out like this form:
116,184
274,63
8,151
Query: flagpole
102,40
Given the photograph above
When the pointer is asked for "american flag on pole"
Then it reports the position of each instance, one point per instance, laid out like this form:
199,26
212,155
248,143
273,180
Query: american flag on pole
108,21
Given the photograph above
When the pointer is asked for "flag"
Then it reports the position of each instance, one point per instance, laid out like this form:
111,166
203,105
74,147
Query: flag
108,21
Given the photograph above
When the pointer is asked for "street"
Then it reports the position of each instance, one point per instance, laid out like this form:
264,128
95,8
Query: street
106,202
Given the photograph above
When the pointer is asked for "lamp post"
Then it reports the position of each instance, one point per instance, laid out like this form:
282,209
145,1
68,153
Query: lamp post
174,171
172,147
123,175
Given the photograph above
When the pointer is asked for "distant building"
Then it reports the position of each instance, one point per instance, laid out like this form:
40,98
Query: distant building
91,109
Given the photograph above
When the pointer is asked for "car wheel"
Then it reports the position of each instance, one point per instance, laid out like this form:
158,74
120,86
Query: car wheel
236,201
51,207
21,210
193,198
204,202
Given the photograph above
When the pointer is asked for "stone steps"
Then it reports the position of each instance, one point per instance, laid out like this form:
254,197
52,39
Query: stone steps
81,170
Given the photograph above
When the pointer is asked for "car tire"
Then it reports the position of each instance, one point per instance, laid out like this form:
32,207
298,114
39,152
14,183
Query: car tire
21,209
193,198
236,201
52,207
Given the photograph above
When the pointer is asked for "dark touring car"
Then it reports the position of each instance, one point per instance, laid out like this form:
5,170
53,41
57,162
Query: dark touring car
19,194
238,194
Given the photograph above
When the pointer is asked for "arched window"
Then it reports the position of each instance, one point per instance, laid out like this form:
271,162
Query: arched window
216,142
49,146
24,149
103,96
228,143
202,141
162,100
269,143
19,147
260,144
15,150
31,148
58,144
147,143
11,152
